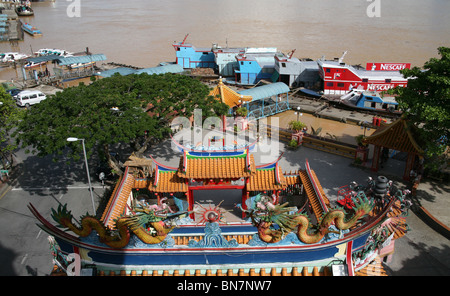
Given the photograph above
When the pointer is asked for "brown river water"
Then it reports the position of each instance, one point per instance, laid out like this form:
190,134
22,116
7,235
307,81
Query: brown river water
140,33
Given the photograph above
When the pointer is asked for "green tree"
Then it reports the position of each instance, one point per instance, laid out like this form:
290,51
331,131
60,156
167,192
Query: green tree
120,109
10,116
425,102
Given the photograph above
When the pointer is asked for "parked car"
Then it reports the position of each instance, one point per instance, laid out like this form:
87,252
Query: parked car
14,92
27,98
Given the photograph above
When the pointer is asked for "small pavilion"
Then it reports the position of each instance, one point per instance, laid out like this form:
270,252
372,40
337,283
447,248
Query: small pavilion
399,136
261,101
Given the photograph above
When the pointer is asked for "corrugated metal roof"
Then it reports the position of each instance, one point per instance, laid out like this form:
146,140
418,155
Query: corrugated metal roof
122,71
46,58
170,68
265,91
82,59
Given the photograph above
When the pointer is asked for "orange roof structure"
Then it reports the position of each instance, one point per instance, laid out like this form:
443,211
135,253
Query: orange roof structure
266,179
229,96
317,206
167,181
396,135
216,167
117,204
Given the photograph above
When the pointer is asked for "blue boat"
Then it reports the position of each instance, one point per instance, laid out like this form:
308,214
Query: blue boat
370,100
30,29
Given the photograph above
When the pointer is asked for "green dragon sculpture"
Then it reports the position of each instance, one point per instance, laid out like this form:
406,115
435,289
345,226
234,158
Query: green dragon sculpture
149,225
265,214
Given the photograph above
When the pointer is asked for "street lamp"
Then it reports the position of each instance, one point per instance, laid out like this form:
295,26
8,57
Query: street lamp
72,139
298,113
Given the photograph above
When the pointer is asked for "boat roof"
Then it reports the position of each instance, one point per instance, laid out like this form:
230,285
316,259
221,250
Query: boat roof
46,58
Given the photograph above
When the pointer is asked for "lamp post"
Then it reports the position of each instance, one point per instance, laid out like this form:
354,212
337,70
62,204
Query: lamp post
71,139
298,113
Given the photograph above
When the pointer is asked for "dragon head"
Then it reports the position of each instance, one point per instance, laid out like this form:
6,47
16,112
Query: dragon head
62,216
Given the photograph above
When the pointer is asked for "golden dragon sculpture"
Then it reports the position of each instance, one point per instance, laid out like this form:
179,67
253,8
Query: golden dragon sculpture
265,215
148,224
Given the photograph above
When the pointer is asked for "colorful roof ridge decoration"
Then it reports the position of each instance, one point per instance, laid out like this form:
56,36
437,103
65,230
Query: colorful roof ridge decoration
396,135
228,95
118,201
216,167
318,203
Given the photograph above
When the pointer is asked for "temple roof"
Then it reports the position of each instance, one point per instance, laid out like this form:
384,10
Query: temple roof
118,201
267,179
167,181
192,167
229,96
396,135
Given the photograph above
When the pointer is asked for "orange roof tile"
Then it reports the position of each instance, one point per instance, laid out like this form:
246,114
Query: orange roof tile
396,135
228,96
311,194
265,180
168,181
117,203
216,167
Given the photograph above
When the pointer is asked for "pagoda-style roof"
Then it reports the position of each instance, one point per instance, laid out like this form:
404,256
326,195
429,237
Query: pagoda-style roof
118,201
396,135
167,181
228,95
217,167
267,179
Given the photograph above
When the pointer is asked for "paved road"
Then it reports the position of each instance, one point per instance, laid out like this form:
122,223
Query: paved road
24,248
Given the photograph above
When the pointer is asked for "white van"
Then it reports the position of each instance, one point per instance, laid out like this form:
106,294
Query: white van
29,97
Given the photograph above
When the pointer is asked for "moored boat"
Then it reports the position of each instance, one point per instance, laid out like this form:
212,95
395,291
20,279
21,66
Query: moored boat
9,57
24,10
30,29
370,100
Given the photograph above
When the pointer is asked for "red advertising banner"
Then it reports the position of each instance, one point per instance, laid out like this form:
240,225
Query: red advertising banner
387,66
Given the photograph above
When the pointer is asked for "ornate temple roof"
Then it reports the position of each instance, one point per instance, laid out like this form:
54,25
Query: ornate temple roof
396,135
229,96
192,167
167,181
267,179
118,200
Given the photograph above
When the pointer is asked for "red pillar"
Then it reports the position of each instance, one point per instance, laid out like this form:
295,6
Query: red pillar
376,158
245,196
409,166
190,200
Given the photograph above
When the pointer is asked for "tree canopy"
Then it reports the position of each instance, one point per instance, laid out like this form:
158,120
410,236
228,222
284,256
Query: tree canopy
118,109
9,118
425,102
